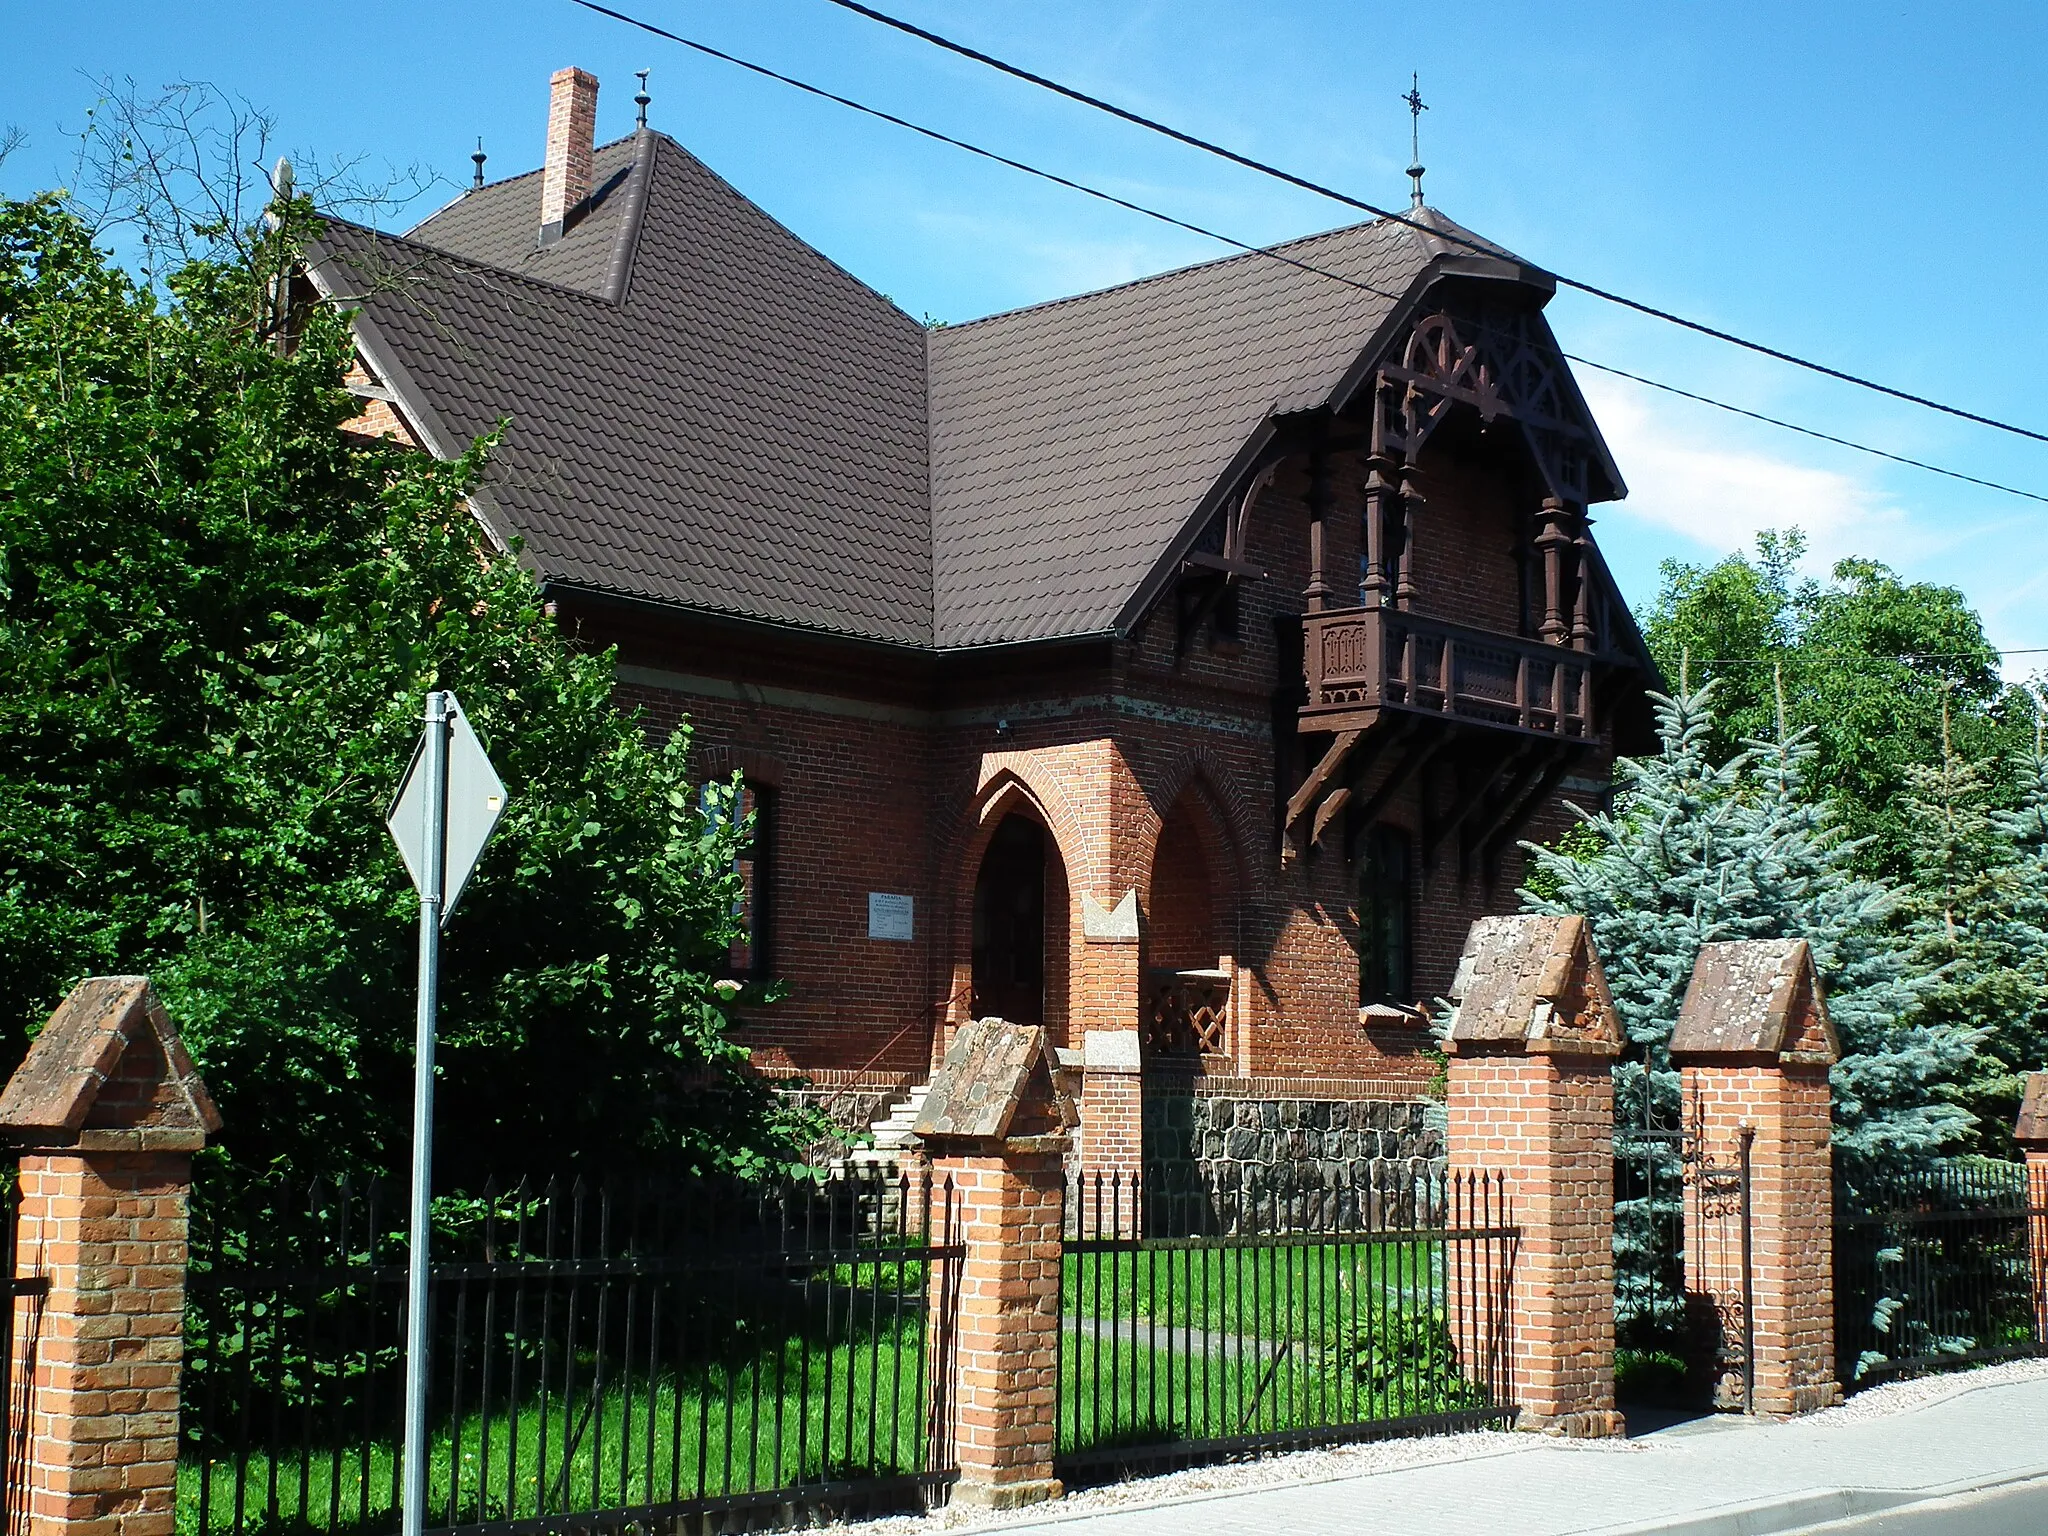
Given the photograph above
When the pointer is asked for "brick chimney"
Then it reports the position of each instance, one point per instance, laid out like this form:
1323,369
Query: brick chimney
572,134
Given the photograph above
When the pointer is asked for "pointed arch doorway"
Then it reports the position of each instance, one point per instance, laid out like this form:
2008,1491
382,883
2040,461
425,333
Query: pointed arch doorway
1020,926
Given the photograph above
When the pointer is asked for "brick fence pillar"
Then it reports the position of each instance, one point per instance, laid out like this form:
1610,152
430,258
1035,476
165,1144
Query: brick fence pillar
1530,1097
108,1112
2032,1135
995,1125
1753,1046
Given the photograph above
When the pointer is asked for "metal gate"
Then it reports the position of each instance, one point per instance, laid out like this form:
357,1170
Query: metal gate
21,1314
1683,1251
1199,1321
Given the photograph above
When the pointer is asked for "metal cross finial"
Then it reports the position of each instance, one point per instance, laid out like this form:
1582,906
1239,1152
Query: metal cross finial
478,157
1416,107
643,98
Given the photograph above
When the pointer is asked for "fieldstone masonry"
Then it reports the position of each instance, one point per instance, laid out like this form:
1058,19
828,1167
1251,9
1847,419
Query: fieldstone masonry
1753,1046
1530,1097
2031,1133
107,1110
996,1124
1232,1141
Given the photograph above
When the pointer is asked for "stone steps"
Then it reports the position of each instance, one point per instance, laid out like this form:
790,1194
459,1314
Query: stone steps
894,1143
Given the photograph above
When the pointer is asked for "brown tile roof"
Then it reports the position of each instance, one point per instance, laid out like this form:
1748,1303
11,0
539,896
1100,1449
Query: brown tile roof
705,411
744,430
1073,441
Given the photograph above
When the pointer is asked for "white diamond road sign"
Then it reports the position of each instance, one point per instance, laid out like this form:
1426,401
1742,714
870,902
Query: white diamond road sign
476,799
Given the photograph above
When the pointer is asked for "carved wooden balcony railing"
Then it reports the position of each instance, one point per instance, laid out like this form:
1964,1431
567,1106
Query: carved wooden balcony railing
1362,661
1187,1013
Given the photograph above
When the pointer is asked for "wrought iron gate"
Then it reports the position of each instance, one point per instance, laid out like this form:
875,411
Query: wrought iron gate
1683,1249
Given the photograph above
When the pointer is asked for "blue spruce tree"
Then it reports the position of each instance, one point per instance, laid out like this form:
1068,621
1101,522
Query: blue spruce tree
1697,851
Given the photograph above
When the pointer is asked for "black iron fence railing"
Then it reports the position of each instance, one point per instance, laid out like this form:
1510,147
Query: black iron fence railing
1200,1320
607,1356
1938,1270
21,1313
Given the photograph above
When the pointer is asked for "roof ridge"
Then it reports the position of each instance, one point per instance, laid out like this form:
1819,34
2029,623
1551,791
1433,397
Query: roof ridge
618,277
463,262
538,170
1158,277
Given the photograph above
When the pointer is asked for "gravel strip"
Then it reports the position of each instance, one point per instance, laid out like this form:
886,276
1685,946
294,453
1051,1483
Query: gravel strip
1903,1396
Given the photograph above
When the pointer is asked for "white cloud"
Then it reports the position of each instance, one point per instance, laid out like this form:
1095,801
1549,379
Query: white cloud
1686,475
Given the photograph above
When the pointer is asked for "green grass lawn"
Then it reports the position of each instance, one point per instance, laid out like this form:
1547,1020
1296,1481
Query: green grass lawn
1167,1344
757,1425
1306,1292
1160,1344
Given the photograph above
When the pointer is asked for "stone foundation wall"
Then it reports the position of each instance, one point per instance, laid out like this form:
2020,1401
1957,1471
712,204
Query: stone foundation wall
1238,1142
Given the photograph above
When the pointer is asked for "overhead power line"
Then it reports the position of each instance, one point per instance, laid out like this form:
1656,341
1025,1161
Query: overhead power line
1249,249
1278,173
1814,432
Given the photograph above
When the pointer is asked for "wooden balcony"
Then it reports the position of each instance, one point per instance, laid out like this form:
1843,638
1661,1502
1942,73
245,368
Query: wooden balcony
1363,663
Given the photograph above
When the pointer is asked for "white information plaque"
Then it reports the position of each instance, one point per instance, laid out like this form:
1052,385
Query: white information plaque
891,917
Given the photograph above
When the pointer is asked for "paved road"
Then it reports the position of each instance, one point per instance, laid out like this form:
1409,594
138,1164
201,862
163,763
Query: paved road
2018,1511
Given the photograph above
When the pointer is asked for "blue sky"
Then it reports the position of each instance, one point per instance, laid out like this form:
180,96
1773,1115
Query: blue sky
1864,184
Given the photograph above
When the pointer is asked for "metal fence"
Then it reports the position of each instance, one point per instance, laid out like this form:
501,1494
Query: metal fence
21,1311
1938,1270
1200,1321
602,1356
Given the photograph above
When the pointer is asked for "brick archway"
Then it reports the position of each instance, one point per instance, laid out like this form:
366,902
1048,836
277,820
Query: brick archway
1194,839
1190,951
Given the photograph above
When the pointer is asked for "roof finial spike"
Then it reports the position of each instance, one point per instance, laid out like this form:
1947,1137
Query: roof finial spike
476,185
1416,107
642,99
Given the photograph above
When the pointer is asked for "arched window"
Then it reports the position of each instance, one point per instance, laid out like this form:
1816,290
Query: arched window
750,956
1386,920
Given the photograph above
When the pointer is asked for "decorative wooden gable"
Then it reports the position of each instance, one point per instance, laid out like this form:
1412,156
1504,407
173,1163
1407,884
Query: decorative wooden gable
1535,982
1757,998
109,1073
998,1083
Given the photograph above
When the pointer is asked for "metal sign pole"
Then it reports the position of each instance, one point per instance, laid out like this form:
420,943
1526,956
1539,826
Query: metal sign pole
431,877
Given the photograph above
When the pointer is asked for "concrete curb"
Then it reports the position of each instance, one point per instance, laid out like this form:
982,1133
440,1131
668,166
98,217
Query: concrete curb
1814,1510
1955,1503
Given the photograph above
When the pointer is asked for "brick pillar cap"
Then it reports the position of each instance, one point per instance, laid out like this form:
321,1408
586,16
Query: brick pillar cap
998,1084
1755,999
2031,1131
59,1096
1532,982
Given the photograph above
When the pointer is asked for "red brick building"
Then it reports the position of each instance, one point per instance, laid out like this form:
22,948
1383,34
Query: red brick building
1177,665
